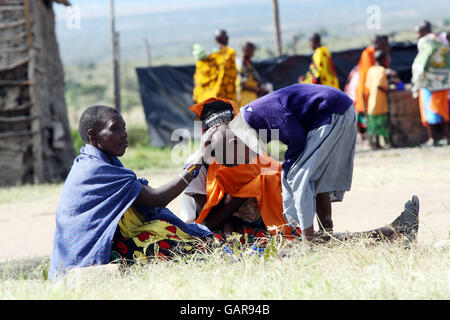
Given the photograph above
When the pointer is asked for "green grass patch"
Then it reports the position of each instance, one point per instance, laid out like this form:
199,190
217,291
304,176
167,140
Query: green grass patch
145,157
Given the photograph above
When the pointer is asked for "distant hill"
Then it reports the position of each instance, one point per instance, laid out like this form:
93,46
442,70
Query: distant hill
171,34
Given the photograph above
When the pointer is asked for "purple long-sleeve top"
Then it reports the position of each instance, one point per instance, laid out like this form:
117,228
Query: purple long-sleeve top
294,111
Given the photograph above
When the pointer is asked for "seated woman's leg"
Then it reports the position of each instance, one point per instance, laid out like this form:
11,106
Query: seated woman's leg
406,224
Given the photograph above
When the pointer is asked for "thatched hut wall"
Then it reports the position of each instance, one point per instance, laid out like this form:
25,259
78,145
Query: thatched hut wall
35,142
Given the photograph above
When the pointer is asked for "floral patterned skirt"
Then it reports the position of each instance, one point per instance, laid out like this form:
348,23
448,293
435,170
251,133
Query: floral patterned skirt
147,246
137,240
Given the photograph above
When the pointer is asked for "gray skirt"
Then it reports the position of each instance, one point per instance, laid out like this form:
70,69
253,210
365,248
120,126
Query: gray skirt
326,165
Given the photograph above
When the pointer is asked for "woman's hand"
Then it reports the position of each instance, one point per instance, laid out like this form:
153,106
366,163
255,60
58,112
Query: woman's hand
203,154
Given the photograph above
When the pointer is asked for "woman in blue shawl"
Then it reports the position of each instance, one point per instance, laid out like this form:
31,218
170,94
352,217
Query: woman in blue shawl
106,212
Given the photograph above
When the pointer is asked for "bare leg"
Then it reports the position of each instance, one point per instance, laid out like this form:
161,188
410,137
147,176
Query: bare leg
430,135
445,130
323,209
407,224
434,133
379,233
308,234
448,130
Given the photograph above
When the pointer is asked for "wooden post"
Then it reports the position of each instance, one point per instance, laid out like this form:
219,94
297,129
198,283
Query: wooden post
147,52
294,44
115,58
35,111
277,26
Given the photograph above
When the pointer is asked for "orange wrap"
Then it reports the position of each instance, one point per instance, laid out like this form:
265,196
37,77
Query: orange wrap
439,104
246,181
366,60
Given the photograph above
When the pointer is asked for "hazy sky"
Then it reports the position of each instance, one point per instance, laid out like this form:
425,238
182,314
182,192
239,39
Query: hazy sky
100,8
172,26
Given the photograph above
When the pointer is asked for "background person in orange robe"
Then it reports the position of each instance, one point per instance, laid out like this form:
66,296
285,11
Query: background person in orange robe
367,60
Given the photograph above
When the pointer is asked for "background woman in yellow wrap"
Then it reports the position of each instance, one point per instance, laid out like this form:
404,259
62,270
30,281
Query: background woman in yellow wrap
215,75
321,69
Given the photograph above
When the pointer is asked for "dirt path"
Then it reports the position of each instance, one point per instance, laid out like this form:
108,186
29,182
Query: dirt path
382,182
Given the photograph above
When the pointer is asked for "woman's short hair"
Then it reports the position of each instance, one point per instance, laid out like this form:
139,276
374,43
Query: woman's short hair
92,118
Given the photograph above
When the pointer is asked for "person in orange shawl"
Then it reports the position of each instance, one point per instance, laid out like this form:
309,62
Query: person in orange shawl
321,70
367,60
215,74
245,198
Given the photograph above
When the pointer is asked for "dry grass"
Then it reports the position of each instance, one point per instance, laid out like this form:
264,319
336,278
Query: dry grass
357,270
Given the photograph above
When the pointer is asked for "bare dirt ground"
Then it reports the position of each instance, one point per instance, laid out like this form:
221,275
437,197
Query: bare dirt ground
382,182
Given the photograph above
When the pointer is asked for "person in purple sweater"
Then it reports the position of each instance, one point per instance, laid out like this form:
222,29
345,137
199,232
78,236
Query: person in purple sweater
318,125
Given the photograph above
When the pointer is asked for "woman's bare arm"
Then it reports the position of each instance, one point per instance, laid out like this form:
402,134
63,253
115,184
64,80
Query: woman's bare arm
162,196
